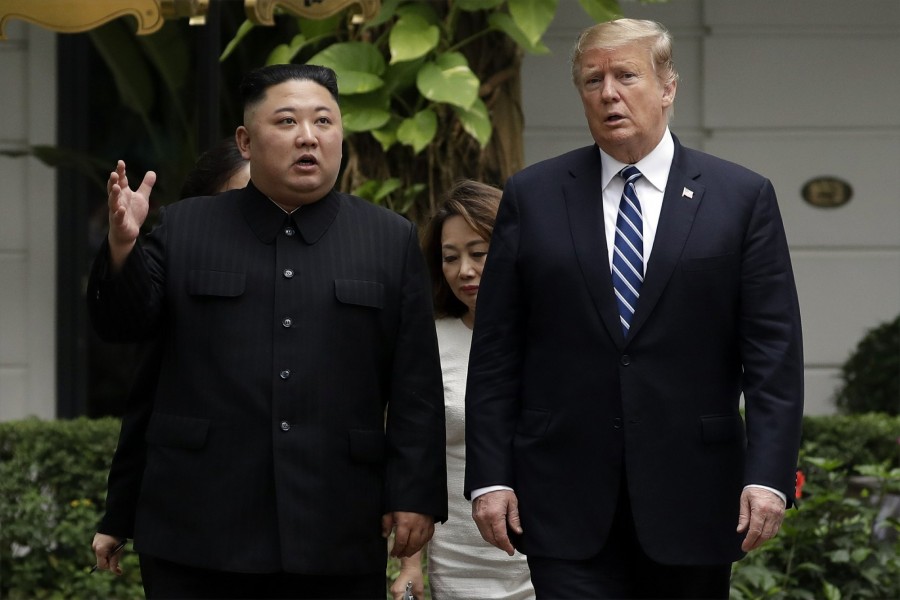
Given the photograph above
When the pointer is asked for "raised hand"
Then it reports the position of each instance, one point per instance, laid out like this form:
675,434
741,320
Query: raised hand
127,212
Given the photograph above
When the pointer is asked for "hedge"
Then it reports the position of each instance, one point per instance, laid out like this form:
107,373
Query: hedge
53,488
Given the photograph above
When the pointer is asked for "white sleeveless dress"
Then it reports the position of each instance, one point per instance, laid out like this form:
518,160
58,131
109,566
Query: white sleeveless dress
461,565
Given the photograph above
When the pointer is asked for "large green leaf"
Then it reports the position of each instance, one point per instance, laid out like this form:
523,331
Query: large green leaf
449,79
533,17
602,10
419,130
312,28
417,8
473,5
365,112
385,14
476,121
412,37
283,54
504,23
358,65
245,28
387,135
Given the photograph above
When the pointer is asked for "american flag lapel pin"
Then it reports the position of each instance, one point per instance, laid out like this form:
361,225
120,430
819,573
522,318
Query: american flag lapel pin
686,193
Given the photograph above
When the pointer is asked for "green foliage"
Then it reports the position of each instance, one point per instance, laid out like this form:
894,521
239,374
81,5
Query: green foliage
53,486
853,439
833,546
52,492
871,376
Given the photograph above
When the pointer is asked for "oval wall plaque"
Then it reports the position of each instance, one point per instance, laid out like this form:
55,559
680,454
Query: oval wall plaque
827,192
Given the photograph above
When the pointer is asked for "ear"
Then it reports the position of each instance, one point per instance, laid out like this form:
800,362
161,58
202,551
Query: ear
668,95
242,138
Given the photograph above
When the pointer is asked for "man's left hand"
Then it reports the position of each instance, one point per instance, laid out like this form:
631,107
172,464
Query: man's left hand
761,515
411,531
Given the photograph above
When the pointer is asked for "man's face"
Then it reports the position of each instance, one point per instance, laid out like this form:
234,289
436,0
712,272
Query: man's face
624,102
292,138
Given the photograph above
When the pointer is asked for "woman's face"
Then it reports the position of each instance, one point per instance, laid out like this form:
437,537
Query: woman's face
463,252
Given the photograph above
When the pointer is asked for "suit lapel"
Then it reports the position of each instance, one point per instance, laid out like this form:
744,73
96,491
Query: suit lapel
680,202
584,204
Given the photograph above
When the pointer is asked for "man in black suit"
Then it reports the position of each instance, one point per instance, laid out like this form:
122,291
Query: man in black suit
619,322
298,417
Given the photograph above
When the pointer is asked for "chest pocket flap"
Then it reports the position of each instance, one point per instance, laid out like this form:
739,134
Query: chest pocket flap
363,293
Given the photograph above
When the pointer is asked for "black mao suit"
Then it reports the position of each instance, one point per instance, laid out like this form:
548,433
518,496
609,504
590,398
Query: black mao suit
559,406
284,339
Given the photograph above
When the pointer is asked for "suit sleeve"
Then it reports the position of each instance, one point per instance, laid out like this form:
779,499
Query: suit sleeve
495,361
127,468
771,349
416,468
126,307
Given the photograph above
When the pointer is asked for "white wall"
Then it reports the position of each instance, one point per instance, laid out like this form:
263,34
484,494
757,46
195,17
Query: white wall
793,90
27,225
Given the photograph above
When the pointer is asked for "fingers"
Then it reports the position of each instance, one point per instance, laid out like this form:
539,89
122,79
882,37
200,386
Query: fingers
387,524
147,184
761,515
412,531
491,512
108,552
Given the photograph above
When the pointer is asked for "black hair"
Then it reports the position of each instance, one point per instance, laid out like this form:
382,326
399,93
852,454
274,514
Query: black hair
213,169
256,82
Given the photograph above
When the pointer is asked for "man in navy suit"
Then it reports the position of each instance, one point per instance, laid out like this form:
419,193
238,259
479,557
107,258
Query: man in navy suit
604,436
298,416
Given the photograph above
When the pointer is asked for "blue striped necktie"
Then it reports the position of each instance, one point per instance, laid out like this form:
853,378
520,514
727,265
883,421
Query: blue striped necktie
628,249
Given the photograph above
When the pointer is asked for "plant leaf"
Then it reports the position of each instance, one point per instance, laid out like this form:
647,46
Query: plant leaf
533,17
602,10
504,23
283,54
419,130
473,5
242,32
449,79
412,37
476,121
358,65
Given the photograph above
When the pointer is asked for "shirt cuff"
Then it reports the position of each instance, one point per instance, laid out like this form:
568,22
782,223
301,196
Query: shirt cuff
749,485
490,488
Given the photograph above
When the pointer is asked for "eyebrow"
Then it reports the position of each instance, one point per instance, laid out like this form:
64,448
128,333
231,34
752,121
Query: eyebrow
293,109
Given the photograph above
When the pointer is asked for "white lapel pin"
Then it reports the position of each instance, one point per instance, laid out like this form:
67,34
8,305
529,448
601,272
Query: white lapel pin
687,193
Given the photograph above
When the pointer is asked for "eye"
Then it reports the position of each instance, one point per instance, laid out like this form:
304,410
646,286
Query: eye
288,120
449,258
323,121
479,254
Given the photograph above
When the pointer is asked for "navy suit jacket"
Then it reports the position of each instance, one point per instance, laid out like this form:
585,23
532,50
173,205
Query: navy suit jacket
299,394
560,405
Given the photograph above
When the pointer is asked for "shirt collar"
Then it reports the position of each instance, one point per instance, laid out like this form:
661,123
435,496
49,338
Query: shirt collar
267,219
654,167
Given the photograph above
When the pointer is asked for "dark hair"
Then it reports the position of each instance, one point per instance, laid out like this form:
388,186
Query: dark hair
477,204
256,82
213,169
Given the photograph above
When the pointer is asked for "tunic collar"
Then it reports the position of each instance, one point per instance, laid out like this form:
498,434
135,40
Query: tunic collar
267,219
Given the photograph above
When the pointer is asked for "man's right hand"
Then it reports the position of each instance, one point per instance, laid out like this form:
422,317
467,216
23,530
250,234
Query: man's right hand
103,546
493,512
127,212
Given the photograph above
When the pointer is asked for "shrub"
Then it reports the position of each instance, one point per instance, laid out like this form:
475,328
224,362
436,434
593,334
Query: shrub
853,439
828,548
52,492
871,376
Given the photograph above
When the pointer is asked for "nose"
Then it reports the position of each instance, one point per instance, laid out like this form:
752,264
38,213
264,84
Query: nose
608,90
467,268
306,135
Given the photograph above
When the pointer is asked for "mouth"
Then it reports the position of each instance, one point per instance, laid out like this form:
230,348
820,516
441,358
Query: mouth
613,119
307,160
470,289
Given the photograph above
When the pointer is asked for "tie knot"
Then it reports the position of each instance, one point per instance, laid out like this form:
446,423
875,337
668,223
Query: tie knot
630,174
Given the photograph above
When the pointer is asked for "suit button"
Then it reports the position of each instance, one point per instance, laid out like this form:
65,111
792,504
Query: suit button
617,423
285,426
286,322
625,360
288,273
285,374
289,231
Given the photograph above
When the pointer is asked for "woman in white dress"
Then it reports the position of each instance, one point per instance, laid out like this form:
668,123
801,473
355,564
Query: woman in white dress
461,565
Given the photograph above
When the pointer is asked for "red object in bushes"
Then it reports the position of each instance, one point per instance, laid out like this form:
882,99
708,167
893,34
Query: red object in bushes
798,488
